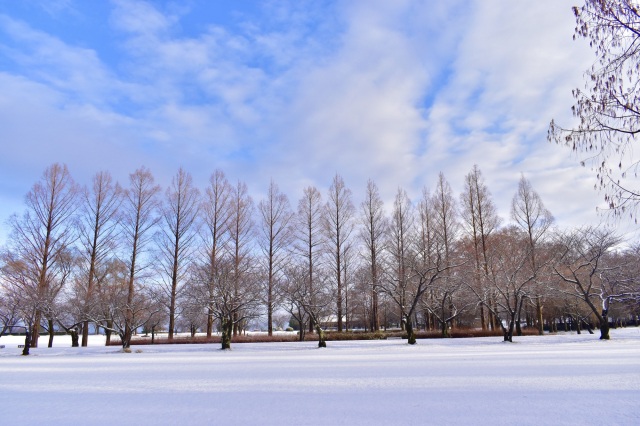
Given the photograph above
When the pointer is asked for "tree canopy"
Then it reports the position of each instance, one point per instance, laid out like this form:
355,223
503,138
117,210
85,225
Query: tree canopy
607,109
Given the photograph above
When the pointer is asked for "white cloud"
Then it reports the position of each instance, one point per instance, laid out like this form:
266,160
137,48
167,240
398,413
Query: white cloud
394,91
514,71
358,111
140,18
76,71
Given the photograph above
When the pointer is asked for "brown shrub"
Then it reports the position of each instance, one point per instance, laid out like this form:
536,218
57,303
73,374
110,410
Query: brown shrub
330,336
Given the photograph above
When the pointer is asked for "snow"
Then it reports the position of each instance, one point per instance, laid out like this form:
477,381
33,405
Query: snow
552,379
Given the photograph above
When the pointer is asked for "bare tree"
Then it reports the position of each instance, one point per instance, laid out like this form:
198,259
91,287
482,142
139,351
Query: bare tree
309,240
9,309
588,264
66,308
110,296
510,277
424,276
40,240
426,246
19,292
176,241
446,301
449,299
240,248
446,224
235,294
349,269
30,299
446,229
372,232
303,300
71,309
293,296
122,314
338,226
608,109
276,220
138,222
401,251
192,317
530,214
417,262
155,310
216,212
115,310
98,235
480,220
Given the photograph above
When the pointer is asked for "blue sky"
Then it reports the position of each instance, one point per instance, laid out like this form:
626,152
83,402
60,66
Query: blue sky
295,91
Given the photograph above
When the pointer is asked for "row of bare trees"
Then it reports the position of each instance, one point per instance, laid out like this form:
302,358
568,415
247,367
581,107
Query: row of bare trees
125,258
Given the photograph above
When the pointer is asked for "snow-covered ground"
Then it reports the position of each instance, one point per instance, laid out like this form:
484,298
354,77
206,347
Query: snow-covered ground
561,379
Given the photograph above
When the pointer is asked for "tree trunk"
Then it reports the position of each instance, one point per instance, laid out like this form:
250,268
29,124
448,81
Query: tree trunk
519,304
172,319
128,331
508,332
302,326
75,337
270,296
107,332
604,326
411,335
85,333
444,329
50,345
339,307
483,323
35,332
588,326
539,318
511,329
210,321
375,320
227,331
234,325
126,337
322,343
27,342
494,318
452,322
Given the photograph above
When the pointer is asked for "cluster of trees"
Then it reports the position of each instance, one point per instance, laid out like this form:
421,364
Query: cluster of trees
124,258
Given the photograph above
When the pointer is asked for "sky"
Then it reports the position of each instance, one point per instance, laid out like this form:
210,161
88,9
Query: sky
295,92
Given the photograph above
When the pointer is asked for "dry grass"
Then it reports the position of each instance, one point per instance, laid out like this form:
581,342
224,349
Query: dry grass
330,336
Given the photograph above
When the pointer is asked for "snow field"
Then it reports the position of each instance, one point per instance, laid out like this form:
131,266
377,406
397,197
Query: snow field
562,379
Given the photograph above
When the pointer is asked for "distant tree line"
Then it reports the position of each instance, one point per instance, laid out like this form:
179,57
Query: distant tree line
210,259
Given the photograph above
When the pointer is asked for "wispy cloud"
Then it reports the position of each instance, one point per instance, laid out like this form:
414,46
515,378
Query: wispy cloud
394,91
514,70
